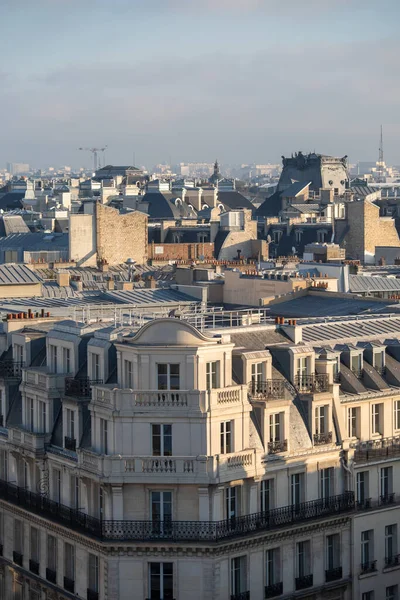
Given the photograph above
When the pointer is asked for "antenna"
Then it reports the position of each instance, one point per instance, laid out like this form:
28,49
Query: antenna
380,159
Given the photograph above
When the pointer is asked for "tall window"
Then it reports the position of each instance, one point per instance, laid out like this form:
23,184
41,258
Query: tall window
303,556
367,547
70,418
103,436
29,414
52,553
18,353
362,487
161,506
226,437
368,595
352,422
256,373
376,418
35,548
297,488
93,573
272,566
327,482
267,495
66,353
74,482
379,360
356,363
321,419
57,485
212,375
238,575
301,370
69,562
332,551
168,376
390,542
392,592
386,482
275,427
161,581
3,465
96,366
42,416
53,358
232,501
161,439
18,536
397,414
128,374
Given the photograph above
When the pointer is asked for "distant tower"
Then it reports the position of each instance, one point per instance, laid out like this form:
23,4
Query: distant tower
380,159
216,176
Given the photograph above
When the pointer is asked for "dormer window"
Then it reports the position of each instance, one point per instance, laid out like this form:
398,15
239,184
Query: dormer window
53,358
66,353
18,353
95,366
128,374
356,364
379,361
276,236
212,374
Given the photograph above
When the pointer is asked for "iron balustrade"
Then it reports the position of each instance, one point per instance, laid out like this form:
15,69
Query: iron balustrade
318,382
70,443
241,596
392,561
333,574
386,499
69,585
267,390
51,575
368,567
91,594
80,387
275,589
208,531
277,446
381,370
18,558
376,449
34,566
322,438
11,369
304,582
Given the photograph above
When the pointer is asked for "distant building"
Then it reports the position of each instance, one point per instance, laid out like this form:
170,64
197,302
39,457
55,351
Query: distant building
18,168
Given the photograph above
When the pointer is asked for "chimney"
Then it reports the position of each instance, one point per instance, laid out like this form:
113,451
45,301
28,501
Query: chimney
62,278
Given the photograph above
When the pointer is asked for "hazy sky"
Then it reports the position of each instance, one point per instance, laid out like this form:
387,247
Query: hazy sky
191,80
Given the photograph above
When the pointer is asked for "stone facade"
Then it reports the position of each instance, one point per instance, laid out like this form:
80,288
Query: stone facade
181,251
120,236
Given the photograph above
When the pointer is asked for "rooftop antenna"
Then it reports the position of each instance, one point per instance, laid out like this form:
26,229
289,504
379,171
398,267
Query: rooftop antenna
380,159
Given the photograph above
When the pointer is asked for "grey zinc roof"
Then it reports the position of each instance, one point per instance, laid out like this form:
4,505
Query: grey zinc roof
35,241
147,296
359,283
293,190
12,274
347,329
305,207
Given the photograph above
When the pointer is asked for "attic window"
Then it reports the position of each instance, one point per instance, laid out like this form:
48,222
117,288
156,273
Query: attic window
276,236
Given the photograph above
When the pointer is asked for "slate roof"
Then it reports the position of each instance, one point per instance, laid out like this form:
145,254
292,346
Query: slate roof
295,189
320,306
359,283
305,207
12,224
234,200
12,200
271,206
379,327
13,274
35,241
363,190
258,339
162,206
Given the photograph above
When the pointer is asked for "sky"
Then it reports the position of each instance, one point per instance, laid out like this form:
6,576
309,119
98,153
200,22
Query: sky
193,80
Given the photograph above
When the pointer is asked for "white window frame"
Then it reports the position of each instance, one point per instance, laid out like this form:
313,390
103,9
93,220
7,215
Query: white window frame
226,437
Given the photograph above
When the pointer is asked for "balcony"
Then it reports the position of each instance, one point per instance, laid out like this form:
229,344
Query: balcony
34,566
277,446
51,575
91,595
114,398
333,574
392,561
322,438
70,443
312,384
377,449
42,379
272,389
81,387
69,585
273,590
387,499
304,582
368,567
11,369
35,442
176,531
241,596
18,558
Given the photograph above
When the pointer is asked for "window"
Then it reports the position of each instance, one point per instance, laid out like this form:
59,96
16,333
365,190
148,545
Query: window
162,440
327,482
275,427
18,353
18,591
301,370
238,575
128,374
272,566
93,573
168,376
66,360
226,437
376,418
298,235
392,592
321,414
74,482
57,485
69,562
95,366
161,581
362,487
18,536
53,358
379,361
232,502
321,236
103,436
35,547
29,414
212,374
267,495
161,506
257,374
297,488
52,553
386,483
367,547
390,542
3,465
356,363
332,551
42,416
70,422
397,414
303,558
368,596
276,236
353,421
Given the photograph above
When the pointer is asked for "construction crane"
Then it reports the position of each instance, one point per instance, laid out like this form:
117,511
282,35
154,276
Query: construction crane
380,168
94,151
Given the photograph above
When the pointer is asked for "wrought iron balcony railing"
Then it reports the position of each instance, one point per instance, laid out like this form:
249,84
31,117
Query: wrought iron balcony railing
80,387
387,499
377,449
392,561
322,438
267,390
34,566
70,443
277,446
304,582
18,558
69,585
241,596
318,382
368,567
333,574
273,590
51,575
210,531
11,369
